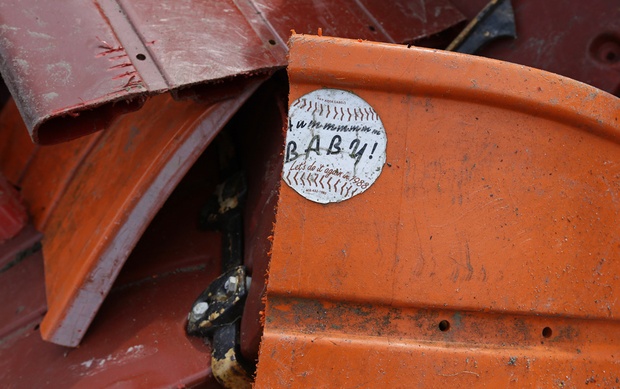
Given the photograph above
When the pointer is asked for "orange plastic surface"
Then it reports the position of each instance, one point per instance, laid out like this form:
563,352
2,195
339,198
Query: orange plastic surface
94,197
487,253
113,195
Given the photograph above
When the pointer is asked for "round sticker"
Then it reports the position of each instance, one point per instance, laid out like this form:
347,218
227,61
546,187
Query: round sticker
335,146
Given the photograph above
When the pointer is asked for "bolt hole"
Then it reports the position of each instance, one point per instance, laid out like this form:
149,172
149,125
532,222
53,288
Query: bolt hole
371,28
547,332
272,42
141,57
36,327
605,48
444,325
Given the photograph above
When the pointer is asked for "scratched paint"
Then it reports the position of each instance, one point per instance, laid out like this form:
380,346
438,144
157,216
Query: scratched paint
479,259
93,366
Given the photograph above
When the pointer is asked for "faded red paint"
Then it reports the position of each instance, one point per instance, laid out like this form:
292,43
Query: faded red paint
138,337
561,37
94,197
73,78
13,215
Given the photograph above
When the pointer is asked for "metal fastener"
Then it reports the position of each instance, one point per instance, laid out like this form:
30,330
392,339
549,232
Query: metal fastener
200,308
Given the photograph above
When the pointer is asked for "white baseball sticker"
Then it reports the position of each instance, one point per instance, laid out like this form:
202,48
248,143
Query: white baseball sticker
335,146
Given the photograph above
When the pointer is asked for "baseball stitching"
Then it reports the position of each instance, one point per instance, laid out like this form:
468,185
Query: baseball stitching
332,184
325,110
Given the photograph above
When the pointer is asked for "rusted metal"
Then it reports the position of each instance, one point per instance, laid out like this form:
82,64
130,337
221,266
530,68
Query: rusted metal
220,304
216,314
485,254
73,78
229,368
224,213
